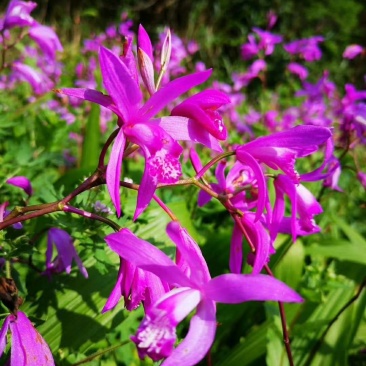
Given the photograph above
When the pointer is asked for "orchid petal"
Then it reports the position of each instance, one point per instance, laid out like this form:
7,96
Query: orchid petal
171,91
3,333
147,257
113,173
146,192
91,95
202,107
119,83
235,288
185,129
21,182
144,42
260,239
199,339
190,251
27,344
146,70
116,293
236,250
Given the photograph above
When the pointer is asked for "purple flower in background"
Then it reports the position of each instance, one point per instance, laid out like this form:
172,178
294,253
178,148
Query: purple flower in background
297,69
352,51
250,49
28,348
362,178
21,182
65,253
17,14
307,48
156,335
39,82
267,40
280,151
272,19
46,39
244,79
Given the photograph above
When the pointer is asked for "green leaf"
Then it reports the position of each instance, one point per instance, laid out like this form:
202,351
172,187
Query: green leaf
342,250
90,153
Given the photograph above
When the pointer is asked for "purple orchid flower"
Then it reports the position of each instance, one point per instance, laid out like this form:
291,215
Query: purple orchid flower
17,14
280,151
28,347
39,82
250,49
21,182
156,140
307,48
254,70
298,70
66,253
46,39
352,51
304,207
258,236
135,286
156,335
267,40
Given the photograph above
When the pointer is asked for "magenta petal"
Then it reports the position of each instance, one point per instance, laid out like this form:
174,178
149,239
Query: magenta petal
21,182
146,192
28,346
185,129
147,257
91,95
113,173
3,333
171,91
303,139
119,83
235,288
199,339
236,250
260,238
248,159
202,108
144,42
116,293
190,251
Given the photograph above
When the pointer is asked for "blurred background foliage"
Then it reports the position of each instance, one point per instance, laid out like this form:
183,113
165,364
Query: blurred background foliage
221,26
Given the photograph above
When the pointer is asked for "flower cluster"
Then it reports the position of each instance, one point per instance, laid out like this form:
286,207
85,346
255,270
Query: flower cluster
42,78
160,116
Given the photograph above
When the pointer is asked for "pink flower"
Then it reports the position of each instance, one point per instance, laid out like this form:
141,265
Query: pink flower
352,51
156,335
156,138
17,14
21,182
28,347
46,39
65,253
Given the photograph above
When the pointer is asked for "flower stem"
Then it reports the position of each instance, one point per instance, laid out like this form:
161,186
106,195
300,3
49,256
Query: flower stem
213,162
92,216
286,339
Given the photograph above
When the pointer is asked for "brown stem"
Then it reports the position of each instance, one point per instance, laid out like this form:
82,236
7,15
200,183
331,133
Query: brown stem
286,339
